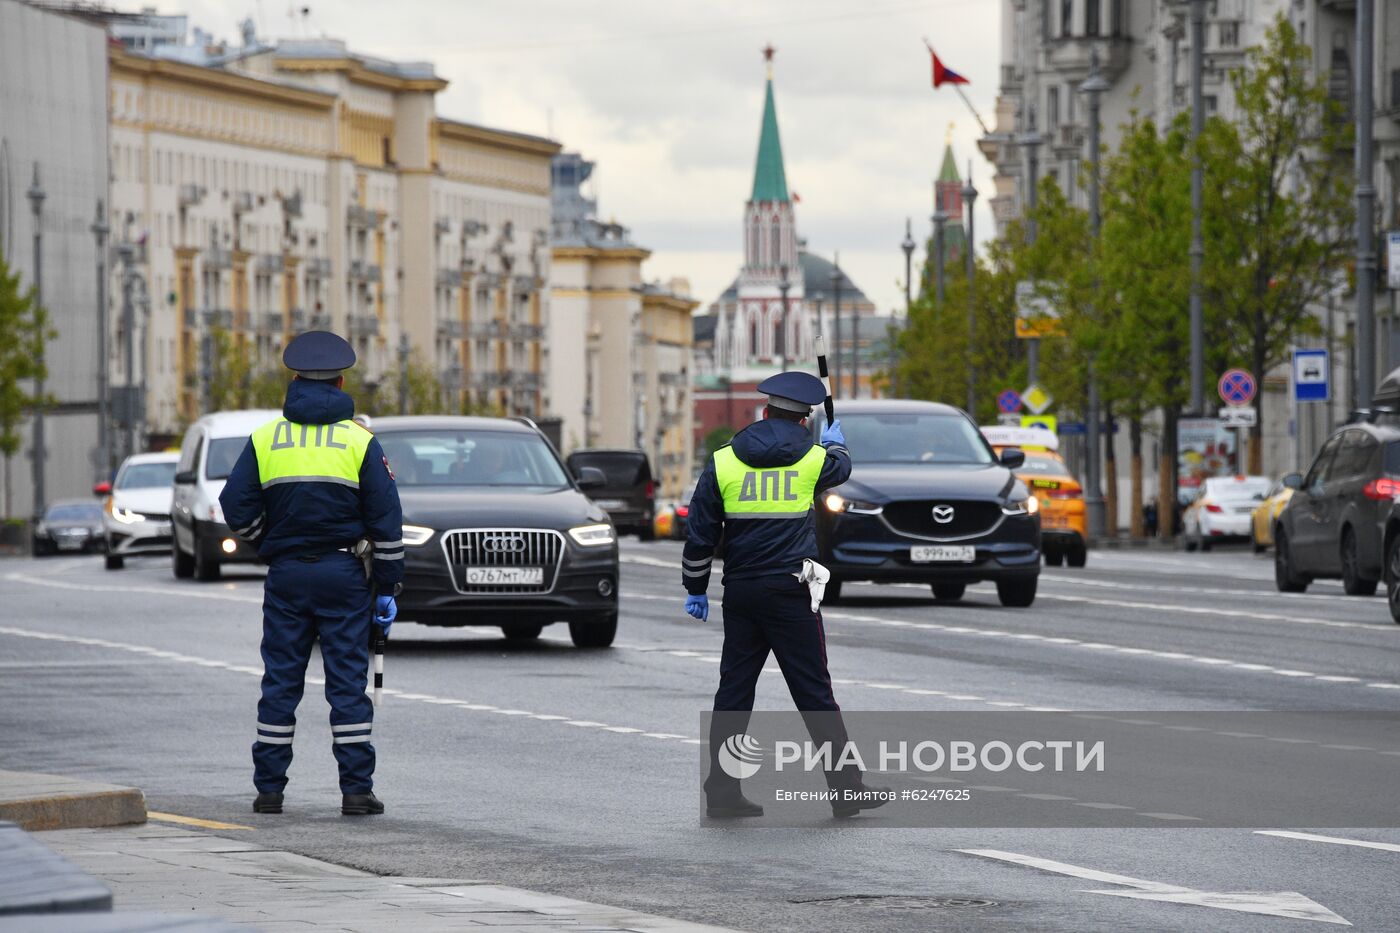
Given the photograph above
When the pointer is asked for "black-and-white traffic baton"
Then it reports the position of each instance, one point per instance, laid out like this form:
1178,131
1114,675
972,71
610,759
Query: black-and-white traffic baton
378,665
821,368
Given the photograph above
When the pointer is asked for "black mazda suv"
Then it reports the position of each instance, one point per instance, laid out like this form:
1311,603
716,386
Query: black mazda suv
928,502
497,532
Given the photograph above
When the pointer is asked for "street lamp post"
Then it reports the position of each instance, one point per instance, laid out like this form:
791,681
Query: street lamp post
940,224
100,229
403,374
784,286
1031,141
1365,208
836,324
126,253
969,194
1093,500
907,246
36,200
1198,249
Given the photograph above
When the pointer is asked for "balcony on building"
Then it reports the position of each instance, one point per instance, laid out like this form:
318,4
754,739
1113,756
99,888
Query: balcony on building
364,271
318,267
1069,56
320,321
489,330
449,278
271,322
191,317
362,325
526,332
298,319
523,285
217,317
525,380
451,329
362,217
491,380
268,264
216,257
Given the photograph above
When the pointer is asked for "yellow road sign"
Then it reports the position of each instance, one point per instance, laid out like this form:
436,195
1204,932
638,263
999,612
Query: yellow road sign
1047,422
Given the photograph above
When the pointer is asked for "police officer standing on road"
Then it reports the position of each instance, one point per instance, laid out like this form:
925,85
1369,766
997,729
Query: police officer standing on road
760,490
306,490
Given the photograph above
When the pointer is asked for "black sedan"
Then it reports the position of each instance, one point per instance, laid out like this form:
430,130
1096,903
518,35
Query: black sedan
69,526
928,502
497,532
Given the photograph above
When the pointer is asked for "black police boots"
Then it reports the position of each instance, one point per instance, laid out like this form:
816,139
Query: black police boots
861,797
268,803
731,807
360,805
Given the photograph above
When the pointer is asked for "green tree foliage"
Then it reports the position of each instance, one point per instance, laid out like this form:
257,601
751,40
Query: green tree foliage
1284,184
24,332
717,438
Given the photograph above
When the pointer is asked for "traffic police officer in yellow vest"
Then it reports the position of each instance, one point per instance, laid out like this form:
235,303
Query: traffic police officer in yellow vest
759,491
307,489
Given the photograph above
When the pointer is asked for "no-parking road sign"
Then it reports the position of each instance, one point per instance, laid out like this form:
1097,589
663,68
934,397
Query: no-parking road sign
1237,387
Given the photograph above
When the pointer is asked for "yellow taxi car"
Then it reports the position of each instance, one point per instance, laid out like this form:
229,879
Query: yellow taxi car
1063,525
1265,515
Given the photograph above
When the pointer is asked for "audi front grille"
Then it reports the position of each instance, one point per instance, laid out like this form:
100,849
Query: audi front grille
503,548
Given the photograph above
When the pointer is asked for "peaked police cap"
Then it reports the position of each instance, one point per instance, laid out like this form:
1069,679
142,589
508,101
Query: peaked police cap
318,354
793,391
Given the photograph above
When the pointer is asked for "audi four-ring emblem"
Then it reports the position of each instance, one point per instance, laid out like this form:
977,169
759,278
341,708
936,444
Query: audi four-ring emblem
503,544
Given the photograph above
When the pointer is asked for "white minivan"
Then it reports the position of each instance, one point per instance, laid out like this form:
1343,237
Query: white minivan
203,543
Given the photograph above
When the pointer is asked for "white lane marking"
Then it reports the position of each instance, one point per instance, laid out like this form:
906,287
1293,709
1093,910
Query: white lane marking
1129,650
1214,611
194,591
1271,903
1046,577
178,658
1334,840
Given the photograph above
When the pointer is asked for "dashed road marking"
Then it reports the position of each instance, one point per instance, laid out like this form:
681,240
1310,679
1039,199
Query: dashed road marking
1333,840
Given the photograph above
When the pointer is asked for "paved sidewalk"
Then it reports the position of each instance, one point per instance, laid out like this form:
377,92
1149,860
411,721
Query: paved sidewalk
183,873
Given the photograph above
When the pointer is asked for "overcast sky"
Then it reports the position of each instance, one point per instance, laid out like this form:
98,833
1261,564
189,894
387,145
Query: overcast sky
666,97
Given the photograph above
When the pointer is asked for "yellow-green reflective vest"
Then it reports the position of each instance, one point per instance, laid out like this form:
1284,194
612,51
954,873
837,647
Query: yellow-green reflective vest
310,453
768,492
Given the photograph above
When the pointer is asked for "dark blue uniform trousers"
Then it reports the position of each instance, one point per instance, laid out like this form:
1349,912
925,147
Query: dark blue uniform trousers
763,614
305,599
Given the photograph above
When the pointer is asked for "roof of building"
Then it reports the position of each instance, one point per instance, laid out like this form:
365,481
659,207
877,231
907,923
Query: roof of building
769,178
949,170
816,280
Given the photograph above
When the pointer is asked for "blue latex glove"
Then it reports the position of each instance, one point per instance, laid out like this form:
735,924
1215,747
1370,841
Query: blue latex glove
831,434
698,606
385,612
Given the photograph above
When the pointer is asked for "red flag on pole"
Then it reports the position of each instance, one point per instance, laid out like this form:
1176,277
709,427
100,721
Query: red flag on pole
942,74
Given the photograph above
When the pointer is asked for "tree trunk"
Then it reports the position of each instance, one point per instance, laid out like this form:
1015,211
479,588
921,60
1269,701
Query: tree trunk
1166,478
1110,474
1136,526
9,513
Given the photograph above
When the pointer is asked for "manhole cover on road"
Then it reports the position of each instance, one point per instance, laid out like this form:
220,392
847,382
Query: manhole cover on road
895,901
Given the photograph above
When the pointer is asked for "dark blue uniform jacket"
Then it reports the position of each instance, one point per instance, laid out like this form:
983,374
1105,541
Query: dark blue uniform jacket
311,518
757,548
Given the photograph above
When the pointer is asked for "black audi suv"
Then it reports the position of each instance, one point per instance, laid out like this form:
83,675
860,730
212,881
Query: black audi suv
497,532
928,502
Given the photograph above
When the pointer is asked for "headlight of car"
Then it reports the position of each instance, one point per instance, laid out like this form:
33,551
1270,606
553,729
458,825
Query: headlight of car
416,535
839,503
1027,506
127,516
592,535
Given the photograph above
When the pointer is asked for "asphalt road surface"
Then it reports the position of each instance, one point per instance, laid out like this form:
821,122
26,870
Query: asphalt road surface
575,772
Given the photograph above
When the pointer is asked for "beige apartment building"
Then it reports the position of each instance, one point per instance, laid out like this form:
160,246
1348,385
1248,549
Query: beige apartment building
630,385
276,188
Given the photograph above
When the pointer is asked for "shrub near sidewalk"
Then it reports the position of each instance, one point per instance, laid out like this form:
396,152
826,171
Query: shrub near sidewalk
14,536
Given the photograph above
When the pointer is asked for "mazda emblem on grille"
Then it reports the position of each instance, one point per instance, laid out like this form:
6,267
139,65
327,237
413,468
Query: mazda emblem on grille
943,514
503,544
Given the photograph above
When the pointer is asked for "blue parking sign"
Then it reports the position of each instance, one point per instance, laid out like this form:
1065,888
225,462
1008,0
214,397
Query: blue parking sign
1312,376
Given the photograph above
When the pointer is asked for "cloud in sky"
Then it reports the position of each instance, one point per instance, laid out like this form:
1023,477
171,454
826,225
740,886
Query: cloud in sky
667,97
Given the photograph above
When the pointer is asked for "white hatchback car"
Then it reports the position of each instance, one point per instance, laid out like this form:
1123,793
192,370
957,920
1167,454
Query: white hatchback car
136,512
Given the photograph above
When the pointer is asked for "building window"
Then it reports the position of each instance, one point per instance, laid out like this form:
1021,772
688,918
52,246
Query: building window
777,240
755,239
1066,18
753,335
1052,109
1091,18
1045,18
1230,35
